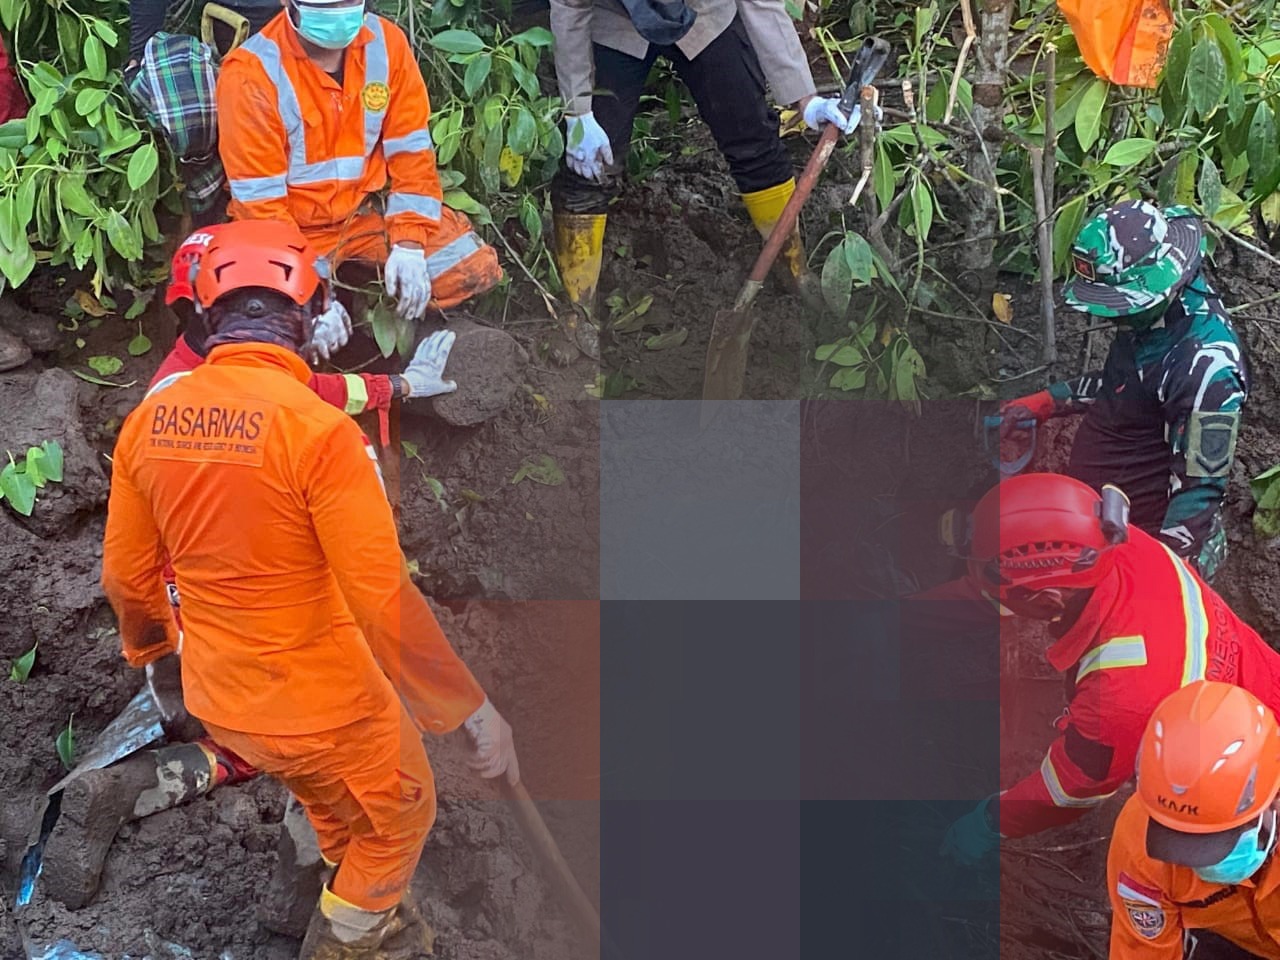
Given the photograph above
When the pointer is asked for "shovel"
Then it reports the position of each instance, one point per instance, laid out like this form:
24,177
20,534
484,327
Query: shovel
991,442
731,332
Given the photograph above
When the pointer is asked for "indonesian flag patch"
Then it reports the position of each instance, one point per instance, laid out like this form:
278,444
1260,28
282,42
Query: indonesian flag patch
1142,903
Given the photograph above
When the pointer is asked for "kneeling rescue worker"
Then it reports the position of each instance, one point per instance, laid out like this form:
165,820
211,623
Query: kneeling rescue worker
1162,416
1192,852
301,624
1131,622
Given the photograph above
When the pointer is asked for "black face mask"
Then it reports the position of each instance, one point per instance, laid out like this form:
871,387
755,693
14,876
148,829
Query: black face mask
662,22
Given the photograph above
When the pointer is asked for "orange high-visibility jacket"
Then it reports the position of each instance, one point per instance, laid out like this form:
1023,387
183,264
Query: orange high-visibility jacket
1153,902
294,590
298,146
1124,41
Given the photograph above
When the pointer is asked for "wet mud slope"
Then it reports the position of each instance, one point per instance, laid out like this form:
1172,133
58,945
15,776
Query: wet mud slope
510,559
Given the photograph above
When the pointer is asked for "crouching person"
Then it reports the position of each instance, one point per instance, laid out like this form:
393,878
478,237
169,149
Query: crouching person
302,629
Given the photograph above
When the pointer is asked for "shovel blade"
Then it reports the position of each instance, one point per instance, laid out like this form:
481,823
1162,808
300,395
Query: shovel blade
727,355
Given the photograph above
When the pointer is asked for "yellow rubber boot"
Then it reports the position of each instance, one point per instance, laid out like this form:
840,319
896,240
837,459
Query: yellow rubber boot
579,250
765,207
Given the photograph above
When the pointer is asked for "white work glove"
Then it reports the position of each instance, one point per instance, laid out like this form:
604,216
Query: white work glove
587,149
331,333
408,281
425,373
822,110
494,747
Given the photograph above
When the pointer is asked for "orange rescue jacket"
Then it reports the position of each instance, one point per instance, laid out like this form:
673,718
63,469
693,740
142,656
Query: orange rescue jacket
1153,902
298,146
294,590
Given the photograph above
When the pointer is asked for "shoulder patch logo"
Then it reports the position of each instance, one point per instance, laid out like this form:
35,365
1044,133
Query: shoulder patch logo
1147,920
1211,443
375,96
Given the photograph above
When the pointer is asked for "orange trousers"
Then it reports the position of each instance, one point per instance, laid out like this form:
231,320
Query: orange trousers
461,265
368,791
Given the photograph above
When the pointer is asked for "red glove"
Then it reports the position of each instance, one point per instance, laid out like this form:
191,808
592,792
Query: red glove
1037,406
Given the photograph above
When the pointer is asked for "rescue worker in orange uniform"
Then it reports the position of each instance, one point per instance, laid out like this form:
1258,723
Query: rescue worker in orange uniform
317,114
1131,622
301,624
1192,856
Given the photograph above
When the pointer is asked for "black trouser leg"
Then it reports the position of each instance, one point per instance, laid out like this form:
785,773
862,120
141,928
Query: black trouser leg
620,80
729,88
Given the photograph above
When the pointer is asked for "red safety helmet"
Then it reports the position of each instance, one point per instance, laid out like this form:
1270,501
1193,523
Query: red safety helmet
260,253
186,260
1042,530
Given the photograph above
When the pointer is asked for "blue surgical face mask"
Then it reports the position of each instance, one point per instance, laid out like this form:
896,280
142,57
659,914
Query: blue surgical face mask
1245,858
332,28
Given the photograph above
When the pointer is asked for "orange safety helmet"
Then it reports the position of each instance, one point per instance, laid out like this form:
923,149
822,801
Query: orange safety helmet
1042,530
260,253
1209,763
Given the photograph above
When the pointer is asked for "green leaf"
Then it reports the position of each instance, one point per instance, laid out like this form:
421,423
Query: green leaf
524,131
922,208
1210,187
1206,77
543,470
32,467
462,201
477,72
17,264
139,345
850,378
66,744
106,366
457,41
142,165
1227,43
73,196
1070,220
1262,144
1265,481
837,281
21,668
89,99
105,31
13,134
534,37
1127,153
90,378
841,354
858,254
665,341
95,58
1089,114
882,175
18,489
404,336
51,465
383,321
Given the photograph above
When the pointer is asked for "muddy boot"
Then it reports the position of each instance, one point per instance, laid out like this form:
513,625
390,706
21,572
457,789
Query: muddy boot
409,936
765,207
13,352
579,251
299,878
99,802
342,931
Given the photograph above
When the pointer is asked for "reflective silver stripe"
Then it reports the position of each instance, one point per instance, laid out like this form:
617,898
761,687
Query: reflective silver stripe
418,203
168,381
339,168
248,189
376,70
448,257
412,143
268,53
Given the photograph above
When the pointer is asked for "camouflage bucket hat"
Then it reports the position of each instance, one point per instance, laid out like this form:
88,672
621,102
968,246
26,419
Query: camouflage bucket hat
1132,257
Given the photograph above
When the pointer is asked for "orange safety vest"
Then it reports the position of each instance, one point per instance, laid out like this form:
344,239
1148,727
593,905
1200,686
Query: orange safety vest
297,606
1124,41
1153,903
298,146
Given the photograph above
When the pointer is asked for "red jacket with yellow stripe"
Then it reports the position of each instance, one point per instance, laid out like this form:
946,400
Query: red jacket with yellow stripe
1151,627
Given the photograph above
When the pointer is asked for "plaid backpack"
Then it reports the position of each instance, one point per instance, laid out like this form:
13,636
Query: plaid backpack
174,87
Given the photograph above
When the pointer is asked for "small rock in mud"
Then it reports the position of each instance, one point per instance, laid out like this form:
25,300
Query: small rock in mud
488,366
39,332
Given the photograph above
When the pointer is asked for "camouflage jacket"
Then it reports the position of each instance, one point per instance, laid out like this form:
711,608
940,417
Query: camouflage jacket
1161,420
